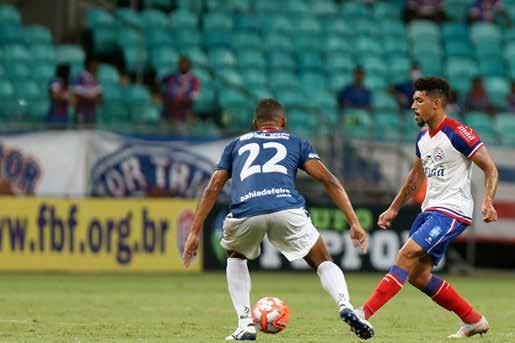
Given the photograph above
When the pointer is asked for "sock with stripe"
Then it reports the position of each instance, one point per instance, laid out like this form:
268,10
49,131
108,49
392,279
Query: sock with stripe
387,288
442,293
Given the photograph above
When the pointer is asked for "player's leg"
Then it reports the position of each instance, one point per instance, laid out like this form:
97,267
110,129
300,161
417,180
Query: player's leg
293,233
442,293
407,259
241,238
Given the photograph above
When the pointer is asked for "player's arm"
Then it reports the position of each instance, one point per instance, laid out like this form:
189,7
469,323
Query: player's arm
408,190
205,205
316,169
483,160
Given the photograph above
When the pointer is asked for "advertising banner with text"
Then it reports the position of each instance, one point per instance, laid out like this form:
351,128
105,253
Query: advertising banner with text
94,234
382,246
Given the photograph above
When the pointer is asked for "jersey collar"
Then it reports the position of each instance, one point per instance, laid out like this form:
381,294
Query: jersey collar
268,129
438,129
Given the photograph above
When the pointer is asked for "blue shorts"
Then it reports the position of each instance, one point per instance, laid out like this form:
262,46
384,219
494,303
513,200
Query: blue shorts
433,231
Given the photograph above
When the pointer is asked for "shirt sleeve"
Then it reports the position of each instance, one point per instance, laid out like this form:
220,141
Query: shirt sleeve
307,152
419,135
225,162
466,141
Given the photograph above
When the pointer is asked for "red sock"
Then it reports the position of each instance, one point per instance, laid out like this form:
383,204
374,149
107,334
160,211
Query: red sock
390,285
444,295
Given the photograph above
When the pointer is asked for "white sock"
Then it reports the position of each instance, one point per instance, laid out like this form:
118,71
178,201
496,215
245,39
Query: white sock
238,281
334,283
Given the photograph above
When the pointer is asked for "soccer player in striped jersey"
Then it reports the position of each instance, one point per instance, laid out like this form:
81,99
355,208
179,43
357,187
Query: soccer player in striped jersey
445,151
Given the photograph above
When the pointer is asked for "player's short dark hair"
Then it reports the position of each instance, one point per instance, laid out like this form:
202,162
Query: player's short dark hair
269,110
433,86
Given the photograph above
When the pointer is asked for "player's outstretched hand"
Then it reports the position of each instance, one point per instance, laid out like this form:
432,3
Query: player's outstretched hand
359,237
488,211
385,219
190,248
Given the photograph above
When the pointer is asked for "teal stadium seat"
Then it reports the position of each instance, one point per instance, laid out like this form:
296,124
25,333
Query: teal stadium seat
217,39
164,56
398,68
309,61
16,53
7,99
321,98
262,93
374,65
307,42
150,115
137,98
375,83
483,125
72,54
296,7
357,123
505,124
194,6
220,21
246,40
455,31
196,55
492,67
155,39
128,18
382,101
163,4
135,58
43,54
382,10
458,48
333,43
220,5
498,88
393,47
245,22
186,39
37,34
311,81
337,26
303,123
424,30
205,101
367,46
338,80
18,71
291,98
457,9
353,9
281,60
393,28
480,32
251,59
388,126
153,19
308,24
221,58
323,8
182,19
231,76
43,74
283,79
278,42
365,27
232,98
107,74
268,6
10,34
254,78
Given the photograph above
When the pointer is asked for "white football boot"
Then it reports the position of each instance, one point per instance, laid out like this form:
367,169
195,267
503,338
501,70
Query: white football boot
247,333
467,330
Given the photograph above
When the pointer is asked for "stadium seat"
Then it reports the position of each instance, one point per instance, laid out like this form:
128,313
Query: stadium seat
194,6
108,74
131,38
375,83
129,18
43,74
246,40
366,46
245,22
303,122
321,98
337,26
296,7
458,48
219,21
333,43
353,9
230,75
311,81
9,15
149,114
281,60
98,17
424,30
291,98
7,99
457,9
136,98
382,101
505,124
276,23
492,67
398,69
205,101
237,117
72,54
267,6
305,42
112,92
282,79
278,42
254,78
357,123
393,28
339,80
307,24
37,34
10,34
43,53
392,46
164,56
231,97
155,39
309,61
185,39
388,126
483,125
217,5
162,4
217,39
153,19
18,71
104,39
251,59
365,27
374,65
455,31
383,10
135,58
320,8
262,92
221,58
498,88
509,51
484,32
196,55
182,19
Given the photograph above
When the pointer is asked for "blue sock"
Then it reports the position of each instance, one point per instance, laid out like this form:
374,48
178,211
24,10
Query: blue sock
433,286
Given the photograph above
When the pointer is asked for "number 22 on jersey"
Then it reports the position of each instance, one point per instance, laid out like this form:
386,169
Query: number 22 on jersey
270,166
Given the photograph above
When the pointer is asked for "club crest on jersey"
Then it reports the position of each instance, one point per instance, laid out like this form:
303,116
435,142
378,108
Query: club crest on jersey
438,154
158,170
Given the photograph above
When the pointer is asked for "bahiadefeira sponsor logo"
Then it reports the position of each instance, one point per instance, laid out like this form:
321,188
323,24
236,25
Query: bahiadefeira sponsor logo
152,169
278,192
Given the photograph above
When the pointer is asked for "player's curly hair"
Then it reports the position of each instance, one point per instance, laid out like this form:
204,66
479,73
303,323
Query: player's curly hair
269,110
433,85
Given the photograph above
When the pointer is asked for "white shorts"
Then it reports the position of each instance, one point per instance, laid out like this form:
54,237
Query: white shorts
290,231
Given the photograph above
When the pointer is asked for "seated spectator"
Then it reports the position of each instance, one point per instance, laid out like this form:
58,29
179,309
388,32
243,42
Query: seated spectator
425,9
511,98
179,90
60,97
487,10
477,99
452,107
404,91
356,94
88,93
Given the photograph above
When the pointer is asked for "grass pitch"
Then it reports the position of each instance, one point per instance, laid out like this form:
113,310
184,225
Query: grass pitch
197,308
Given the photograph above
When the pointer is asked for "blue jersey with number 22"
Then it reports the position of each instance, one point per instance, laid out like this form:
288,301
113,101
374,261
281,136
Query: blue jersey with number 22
263,166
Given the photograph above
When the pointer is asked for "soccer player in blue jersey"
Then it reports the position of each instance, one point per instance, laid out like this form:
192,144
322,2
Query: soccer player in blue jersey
263,165
445,151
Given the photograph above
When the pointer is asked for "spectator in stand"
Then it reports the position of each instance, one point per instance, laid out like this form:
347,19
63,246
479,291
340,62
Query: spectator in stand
511,98
487,10
404,91
88,92
60,97
452,107
356,95
425,9
179,91
477,99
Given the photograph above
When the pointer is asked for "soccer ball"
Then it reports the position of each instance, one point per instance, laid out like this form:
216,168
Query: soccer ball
270,314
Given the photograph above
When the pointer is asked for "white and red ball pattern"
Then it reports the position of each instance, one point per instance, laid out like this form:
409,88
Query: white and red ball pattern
270,314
